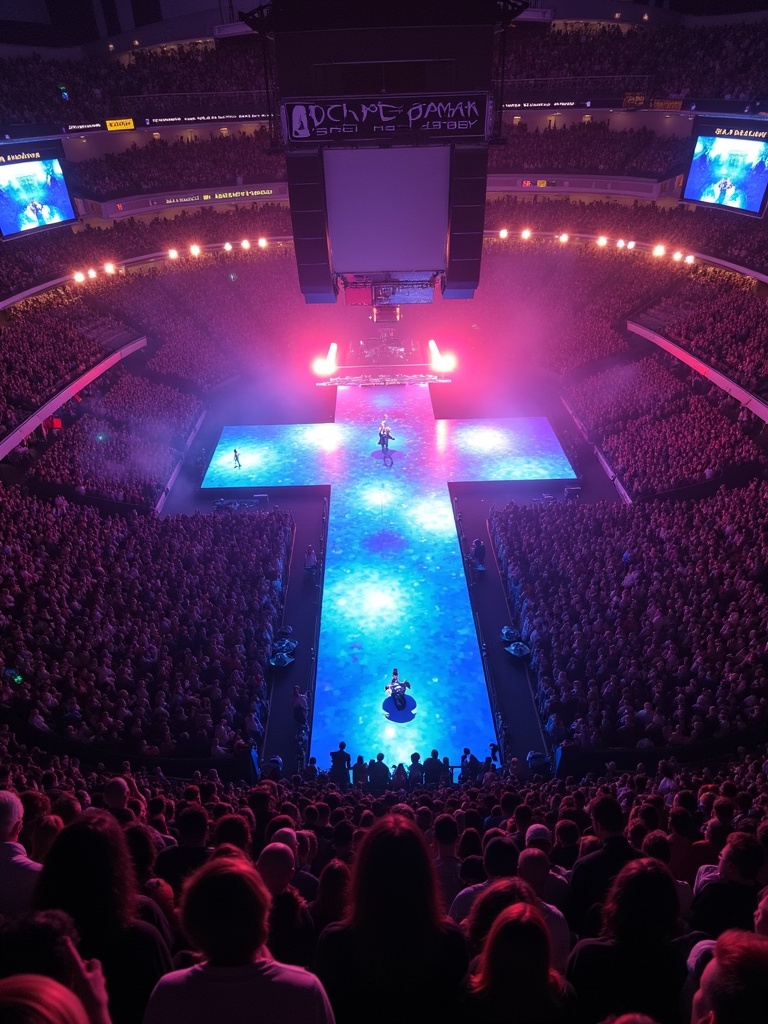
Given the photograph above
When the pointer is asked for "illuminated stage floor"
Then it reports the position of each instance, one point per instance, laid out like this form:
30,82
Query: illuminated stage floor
395,592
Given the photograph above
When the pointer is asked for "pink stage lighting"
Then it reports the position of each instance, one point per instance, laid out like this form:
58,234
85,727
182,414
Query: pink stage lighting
326,366
440,363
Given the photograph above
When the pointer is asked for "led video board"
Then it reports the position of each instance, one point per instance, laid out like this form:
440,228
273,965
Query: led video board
729,167
33,191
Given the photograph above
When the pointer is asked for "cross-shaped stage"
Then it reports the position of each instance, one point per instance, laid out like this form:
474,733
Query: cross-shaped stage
395,593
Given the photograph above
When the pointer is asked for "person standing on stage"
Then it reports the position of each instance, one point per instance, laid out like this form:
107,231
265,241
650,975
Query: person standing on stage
385,435
341,763
236,453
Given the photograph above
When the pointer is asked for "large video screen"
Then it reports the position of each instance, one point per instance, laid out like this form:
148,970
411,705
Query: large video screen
729,167
387,208
33,196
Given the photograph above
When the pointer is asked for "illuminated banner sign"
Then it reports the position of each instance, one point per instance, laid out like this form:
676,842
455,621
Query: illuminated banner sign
24,152
129,206
224,195
548,104
121,124
372,118
81,129
158,122
666,104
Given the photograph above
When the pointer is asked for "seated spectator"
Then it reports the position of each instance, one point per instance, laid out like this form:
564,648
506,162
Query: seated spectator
394,913
332,900
33,999
730,899
18,872
224,911
88,873
638,964
514,979
734,985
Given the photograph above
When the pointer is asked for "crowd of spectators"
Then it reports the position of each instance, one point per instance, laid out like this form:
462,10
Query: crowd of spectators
741,241
721,318
34,90
647,622
98,458
696,61
156,410
160,166
666,451
657,432
25,262
568,301
714,61
245,158
588,149
566,901
45,343
625,392
139,633
211,316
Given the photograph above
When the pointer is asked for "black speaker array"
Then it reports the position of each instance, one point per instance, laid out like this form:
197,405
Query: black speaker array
469,175
306,191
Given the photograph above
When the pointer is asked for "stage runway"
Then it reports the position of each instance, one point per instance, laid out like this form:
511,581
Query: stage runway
395,592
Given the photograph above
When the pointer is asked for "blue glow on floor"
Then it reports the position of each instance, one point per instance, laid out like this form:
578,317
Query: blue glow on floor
524,448
395,591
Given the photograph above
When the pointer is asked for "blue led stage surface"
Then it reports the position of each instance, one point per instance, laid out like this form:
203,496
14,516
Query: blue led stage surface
395,592
318,453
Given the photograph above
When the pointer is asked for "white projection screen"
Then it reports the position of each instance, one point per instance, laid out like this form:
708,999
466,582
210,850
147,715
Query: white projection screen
387,208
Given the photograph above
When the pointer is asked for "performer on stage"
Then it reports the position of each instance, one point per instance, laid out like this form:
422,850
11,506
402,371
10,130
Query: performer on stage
385,435
236,454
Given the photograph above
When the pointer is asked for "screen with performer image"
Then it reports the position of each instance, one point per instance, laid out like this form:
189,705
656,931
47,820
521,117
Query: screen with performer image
729,169
33,196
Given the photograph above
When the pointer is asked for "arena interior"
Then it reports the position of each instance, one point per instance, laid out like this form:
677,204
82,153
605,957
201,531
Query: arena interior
383,512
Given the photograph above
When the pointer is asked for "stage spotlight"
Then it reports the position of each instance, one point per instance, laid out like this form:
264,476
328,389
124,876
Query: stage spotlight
659,250
503,233
563,238
195,250
262,243
325,366
447,362
227,247
620,244
525,234
688,259
79,277
602,240
630,245
91,273
109,268
677,256
245,244
173,254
